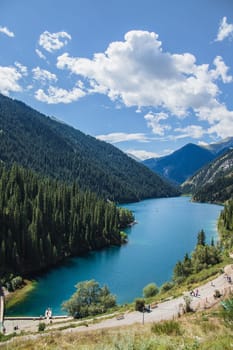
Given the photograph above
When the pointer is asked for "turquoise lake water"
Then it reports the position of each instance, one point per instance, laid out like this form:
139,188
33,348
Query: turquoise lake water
166,229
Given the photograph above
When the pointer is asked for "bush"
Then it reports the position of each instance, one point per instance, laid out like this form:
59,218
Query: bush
217,294
139,304
17,282
41,327
89,299
227,312
124,237
187,301
150,290
166,286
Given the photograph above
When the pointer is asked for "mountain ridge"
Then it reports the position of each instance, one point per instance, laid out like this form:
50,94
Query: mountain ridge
181,164
58,150
213,182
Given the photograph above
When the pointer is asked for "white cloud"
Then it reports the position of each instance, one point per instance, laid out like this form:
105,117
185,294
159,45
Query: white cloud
193,131
142,154
122,137
138,73
222,125
202,143
153,121
6,31
21,68
40,54
43,75
221,70
9,77
53,41
56,95
225,30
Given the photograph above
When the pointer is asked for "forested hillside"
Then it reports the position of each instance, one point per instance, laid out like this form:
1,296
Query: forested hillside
52,148
226,225
43,221
214,182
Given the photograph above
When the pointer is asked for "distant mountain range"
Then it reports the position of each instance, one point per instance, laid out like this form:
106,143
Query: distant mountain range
55,149
183,163
214,182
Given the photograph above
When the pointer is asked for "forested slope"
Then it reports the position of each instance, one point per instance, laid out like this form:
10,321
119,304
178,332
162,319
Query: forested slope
43,221
214,182
52,148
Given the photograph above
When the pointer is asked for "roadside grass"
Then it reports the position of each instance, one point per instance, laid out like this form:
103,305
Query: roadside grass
170,327
201,330
190,282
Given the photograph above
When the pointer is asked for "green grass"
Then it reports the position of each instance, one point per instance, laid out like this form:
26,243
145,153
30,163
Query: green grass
167,327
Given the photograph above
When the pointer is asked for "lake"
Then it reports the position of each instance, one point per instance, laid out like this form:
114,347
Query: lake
166,229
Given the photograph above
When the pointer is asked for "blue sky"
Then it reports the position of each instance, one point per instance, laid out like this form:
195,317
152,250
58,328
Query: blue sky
147,76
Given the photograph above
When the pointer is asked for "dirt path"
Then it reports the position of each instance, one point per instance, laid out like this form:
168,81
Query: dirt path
164,311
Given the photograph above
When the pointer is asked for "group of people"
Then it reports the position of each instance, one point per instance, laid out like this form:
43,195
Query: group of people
194,293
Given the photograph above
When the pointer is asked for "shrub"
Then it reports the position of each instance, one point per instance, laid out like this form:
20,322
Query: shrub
17,282
187,301
41,326
227,312
150,290
166,286
217,294
124,237
139,304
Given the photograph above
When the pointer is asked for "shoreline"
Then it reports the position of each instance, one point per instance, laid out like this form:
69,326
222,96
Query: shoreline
13,298
166,310
24,295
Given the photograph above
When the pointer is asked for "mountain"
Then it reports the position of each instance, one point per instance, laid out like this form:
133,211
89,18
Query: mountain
221,146
214,182
55,149
181,164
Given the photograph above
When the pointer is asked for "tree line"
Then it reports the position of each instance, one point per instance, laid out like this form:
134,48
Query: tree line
202,257
226,225
43,221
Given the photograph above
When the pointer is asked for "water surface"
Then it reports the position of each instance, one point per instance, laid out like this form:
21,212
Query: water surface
166,229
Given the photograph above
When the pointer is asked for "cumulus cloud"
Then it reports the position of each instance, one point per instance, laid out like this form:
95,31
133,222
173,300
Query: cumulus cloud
225,30
40,54
223,124
43,75
57,95
137,72
153,121
9,80
193,131
6,31
122,137
53,41
221,70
